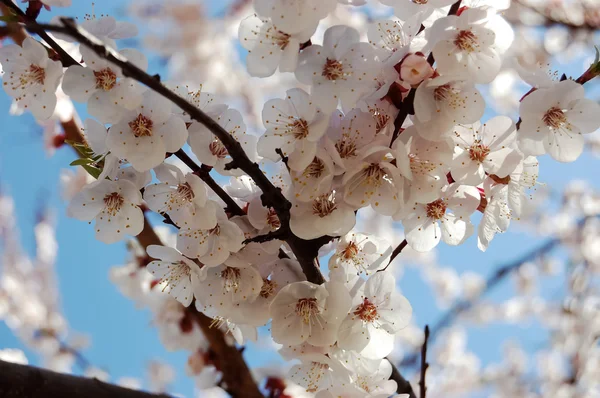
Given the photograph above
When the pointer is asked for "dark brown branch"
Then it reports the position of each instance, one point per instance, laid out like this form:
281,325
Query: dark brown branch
404,386
424,365
20,381
272,196
229,360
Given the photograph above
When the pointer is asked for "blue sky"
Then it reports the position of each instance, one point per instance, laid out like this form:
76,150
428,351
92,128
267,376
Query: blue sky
123,340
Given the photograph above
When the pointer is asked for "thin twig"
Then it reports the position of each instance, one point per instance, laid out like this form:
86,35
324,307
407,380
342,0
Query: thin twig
424,364
395,253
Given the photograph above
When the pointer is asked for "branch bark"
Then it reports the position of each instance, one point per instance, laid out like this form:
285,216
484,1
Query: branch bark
20,381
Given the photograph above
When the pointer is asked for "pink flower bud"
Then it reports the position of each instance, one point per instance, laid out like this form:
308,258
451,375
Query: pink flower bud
414,69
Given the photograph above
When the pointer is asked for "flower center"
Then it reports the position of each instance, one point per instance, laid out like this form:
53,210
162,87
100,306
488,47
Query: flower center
298,129
420,1
367,311
478,152
306,308
437,209
184,193
37,74
554,118
218,149
442,92
231,279
324,205
346,147
268,288
418,166
106,79
374,174
381,119
272,219
350,251
333,69
466,41
141,126
315,169
281,39
215,231
113,202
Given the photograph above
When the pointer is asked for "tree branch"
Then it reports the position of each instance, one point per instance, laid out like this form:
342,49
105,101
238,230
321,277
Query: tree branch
424,365
404,386
272,196
20,381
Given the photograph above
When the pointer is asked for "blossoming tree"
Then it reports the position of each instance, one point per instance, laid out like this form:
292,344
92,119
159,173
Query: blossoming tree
354,133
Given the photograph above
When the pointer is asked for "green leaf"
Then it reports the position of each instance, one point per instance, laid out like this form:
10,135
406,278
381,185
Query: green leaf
93,171
81,162
9,18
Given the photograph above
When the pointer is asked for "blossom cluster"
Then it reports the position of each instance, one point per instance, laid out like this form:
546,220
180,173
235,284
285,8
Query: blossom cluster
392,122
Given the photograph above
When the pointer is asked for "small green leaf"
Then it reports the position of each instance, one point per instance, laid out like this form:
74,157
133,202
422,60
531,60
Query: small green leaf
81,162
93,171
9,18
597,54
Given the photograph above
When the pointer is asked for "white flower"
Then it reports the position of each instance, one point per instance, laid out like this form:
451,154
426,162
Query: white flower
370,379
295,126
228,284
200,99
442,102
392,39
107,26
183,198
374,181
377,313
214,245
95,135
446,218
358,253
318,372
211,151
348,135
554,119
424,164
466,47
487,148
326,214
114,206
338,69
316,179
30,77
294,15
497,215
524,177
404,9
303,311
146,134
177,275
269,47
102,85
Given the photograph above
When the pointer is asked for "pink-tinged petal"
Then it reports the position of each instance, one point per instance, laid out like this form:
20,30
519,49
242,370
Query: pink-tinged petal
465,170
564,146
79,83
174,134
129,220
454,229
425,237
566,92
585,114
